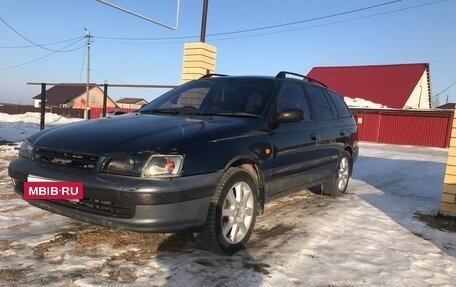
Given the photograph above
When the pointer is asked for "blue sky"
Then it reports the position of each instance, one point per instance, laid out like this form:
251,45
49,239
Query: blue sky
130,50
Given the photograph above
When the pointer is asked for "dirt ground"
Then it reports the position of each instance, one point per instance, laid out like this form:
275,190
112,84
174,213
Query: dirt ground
438,221
120,247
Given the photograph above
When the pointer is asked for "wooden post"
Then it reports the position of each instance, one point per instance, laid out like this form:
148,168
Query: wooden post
43,105
105,98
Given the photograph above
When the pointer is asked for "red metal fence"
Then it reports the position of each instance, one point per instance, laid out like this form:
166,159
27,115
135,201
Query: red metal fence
405,127
96,113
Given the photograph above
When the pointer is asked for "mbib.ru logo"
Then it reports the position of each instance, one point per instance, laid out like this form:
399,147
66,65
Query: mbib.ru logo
53,190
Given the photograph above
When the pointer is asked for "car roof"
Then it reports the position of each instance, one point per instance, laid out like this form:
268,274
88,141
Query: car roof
280,77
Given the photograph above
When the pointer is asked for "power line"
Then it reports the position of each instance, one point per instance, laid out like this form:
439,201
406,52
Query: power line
260,28
45,56
333,23
232,32
30,41
269,27
45,44
307,20
436,95
446,89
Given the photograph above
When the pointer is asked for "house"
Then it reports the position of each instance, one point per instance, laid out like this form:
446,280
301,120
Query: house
131,103
74,96
397,86
447,106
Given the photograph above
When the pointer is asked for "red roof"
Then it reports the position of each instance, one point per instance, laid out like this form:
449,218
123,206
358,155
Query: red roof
389,85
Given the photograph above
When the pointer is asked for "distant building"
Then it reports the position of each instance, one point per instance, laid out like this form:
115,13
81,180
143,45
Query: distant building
131,103
397,86
74,96
447,106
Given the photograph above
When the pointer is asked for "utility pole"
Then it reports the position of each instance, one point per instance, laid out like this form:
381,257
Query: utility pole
86,111
203,22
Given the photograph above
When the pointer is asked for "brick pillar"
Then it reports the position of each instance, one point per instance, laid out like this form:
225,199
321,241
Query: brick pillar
198,59
448,201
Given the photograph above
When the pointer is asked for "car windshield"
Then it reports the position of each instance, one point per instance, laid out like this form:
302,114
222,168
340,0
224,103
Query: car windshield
215,96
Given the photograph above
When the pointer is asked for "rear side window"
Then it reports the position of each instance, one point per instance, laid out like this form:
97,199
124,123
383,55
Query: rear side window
340,105
320,105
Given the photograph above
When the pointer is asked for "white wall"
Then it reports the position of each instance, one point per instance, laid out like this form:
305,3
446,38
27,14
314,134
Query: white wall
36,103
419,99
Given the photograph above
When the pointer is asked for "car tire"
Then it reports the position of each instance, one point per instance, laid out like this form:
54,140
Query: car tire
232,213
338,185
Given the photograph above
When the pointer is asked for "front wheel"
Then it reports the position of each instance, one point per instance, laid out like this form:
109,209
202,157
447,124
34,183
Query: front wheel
232,213
338,185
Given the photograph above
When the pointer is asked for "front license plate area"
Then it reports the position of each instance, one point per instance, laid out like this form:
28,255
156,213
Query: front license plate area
51,189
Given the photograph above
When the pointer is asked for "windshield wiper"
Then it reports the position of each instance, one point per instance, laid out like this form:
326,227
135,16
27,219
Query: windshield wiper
187,111
230,114
173,111
162,111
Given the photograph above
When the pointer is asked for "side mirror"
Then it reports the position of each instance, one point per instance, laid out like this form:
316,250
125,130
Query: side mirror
290,115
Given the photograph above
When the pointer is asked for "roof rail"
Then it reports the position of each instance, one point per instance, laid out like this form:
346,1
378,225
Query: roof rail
283,74
212,75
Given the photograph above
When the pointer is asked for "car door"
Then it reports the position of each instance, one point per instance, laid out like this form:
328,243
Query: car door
345,123
293,142
328,147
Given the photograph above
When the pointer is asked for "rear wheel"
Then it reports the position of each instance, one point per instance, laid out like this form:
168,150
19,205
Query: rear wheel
232,213
338,185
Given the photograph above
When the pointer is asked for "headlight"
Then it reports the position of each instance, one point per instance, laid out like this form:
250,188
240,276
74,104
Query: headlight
143,165
163,166
126,163
26,149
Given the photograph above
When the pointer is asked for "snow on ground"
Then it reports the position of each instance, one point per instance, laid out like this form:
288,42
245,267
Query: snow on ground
370,237
18,127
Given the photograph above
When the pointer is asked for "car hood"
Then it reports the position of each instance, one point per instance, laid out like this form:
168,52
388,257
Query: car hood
134,133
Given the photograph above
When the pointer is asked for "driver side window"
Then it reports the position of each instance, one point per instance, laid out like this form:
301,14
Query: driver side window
292,96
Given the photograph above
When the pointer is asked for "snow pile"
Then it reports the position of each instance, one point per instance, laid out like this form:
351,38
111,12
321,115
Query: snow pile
362,103
17,127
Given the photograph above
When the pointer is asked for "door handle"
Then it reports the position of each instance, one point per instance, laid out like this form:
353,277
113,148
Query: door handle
314,137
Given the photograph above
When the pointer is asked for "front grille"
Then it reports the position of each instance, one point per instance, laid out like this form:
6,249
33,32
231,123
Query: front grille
101,207
66,158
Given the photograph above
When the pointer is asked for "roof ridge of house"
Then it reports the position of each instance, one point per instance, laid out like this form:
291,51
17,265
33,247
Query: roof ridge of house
375,65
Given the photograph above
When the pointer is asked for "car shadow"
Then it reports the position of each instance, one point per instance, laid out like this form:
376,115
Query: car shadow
189,265
403,190
277,234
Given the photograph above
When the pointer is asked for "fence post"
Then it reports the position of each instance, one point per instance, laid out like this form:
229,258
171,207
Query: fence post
105,98
43,105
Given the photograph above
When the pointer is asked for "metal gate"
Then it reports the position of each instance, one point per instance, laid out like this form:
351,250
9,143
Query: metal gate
405,127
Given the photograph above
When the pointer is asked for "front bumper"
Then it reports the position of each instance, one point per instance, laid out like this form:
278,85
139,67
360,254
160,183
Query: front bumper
170,205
